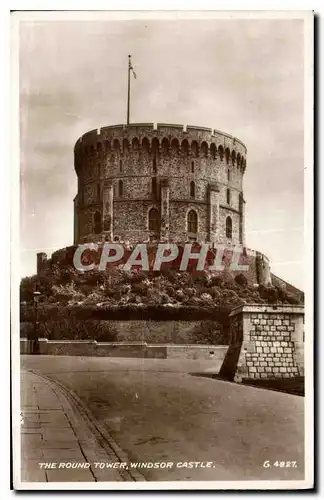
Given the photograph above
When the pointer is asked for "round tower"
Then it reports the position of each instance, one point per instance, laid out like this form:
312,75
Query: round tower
166,183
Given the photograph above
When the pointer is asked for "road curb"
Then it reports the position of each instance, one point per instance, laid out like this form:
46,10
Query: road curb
68,397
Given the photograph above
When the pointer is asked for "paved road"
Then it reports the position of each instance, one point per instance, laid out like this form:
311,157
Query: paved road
158,411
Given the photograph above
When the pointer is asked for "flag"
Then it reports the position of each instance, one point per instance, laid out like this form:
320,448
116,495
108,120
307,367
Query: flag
131,68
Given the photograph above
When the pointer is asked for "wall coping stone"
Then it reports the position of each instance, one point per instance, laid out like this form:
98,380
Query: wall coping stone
127,344
268,308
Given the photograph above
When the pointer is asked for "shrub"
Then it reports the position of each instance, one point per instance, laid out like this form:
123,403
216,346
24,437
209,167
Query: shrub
72,328
215,292
216,280
282,294
272,294
26,329
206,297
241,279
292,299
200,279
140,288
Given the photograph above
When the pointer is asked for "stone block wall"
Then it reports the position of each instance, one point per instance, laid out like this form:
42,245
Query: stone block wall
160,332
265,342
273,352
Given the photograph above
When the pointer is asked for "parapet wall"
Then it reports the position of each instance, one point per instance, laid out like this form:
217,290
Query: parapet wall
169,131
126,350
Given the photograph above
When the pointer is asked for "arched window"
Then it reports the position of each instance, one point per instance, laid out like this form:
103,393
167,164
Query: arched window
165,146
175,145
154,187
185,147
97,222
192,167
192,189
213,150
116,145
192,220
227,155
154,220
154,164
229,228
135,144
120,189
204,149
194,148
228,196
145,145
155,146
120,166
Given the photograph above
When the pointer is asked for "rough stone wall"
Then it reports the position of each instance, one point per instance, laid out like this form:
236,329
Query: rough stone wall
181,155
175,332
266,342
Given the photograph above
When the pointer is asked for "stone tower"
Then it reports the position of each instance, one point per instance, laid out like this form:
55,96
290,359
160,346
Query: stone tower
167,182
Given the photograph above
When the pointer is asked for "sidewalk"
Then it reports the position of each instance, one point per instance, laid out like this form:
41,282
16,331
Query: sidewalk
53,431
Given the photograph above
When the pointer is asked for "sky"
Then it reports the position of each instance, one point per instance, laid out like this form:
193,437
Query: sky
244,77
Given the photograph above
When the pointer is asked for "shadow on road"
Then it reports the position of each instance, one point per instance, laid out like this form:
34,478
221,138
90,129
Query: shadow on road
294,385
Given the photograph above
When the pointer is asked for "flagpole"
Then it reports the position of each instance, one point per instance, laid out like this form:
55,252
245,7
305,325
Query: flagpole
128,93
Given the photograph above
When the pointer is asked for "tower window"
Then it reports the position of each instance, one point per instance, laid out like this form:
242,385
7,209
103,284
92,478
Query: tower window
192,167
97,222
154,220
154,187
154,165
229,228
228,196
192,189
120,188
98,192
228,175
120,166
192,220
